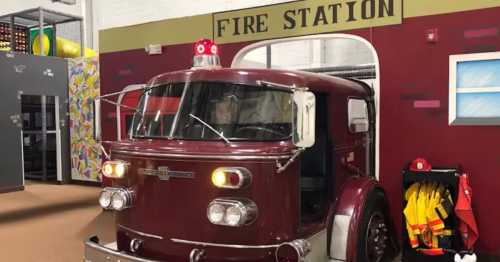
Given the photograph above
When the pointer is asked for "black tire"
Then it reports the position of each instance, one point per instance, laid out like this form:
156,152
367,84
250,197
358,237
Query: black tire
374,214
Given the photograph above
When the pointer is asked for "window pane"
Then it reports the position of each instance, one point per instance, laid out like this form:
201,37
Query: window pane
239,112
318,53
31,107
478,105
485,73
256,58
346,52
293,55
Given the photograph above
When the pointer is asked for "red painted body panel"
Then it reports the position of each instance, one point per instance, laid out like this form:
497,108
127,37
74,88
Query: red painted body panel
260,149
411,69
177,208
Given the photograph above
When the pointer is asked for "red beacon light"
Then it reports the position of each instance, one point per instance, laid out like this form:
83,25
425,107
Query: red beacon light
206,54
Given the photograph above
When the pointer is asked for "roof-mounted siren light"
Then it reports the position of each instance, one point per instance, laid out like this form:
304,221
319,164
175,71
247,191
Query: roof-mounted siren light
206,54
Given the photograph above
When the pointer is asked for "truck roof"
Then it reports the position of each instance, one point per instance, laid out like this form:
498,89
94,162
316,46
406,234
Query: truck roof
314,81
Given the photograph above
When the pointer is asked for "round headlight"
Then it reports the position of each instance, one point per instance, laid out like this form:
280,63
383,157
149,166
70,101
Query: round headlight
115,169
233,215
233,212
119,200
231,177
216,213
219,178
107,169
120,169
105,199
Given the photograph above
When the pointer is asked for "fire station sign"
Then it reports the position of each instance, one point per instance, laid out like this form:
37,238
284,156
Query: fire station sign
304,18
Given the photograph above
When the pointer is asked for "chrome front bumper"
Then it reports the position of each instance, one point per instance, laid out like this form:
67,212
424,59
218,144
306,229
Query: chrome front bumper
94,252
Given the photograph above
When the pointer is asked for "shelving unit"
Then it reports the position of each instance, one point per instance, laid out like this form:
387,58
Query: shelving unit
21,22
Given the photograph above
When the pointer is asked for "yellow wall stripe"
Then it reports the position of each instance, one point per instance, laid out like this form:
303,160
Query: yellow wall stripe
165,32
189,29
415,8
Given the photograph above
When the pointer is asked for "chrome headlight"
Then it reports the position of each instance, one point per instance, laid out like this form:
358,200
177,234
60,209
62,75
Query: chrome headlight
105,199
116,198
232,212
215,213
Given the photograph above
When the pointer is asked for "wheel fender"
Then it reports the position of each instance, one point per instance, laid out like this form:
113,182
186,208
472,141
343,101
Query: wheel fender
343,227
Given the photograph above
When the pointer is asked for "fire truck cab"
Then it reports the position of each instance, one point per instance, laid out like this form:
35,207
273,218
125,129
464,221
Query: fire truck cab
246,165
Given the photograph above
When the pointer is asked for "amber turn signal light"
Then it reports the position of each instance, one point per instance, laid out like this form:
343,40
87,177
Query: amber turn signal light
114,169
231,177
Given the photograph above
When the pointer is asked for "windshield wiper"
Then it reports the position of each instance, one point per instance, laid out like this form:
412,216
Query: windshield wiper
211,128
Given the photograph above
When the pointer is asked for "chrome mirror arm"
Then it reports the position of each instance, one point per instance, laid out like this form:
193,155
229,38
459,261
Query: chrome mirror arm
292,88
120,105
280,168
106,154
102,149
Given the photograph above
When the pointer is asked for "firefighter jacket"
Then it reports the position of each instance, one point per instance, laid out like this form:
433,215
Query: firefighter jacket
428,205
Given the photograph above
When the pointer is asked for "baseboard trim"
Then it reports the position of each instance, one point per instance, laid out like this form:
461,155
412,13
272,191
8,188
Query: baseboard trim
11,189
86,183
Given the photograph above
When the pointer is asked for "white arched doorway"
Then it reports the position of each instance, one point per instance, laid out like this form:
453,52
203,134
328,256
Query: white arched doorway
341,55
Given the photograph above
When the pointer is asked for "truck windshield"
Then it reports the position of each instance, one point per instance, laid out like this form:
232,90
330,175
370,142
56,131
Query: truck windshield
235,112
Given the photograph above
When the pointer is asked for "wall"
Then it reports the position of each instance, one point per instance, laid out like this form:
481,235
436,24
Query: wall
12,6
419,71
82,8
411,69
114,13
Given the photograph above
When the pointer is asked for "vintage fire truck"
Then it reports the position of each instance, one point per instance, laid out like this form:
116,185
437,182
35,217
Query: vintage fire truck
246,165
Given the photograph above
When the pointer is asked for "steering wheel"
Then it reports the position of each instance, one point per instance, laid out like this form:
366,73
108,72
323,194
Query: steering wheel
260,128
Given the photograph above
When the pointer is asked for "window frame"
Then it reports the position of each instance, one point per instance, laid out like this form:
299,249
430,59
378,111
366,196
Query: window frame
453,119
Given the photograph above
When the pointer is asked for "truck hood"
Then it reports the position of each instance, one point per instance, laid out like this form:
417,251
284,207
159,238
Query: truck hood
203,149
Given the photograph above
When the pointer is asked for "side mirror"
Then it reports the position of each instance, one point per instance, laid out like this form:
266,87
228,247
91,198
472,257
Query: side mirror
304,118
97,120
358,116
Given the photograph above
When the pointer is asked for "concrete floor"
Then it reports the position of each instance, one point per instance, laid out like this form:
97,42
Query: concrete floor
50,222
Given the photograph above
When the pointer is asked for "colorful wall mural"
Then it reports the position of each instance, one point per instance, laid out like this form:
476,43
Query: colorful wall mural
84,86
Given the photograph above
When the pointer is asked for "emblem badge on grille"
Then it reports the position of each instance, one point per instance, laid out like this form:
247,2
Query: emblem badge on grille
163,173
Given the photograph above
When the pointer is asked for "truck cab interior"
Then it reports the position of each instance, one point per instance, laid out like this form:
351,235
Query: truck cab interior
315,167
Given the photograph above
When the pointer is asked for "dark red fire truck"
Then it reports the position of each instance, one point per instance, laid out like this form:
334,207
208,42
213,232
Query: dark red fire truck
246,165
